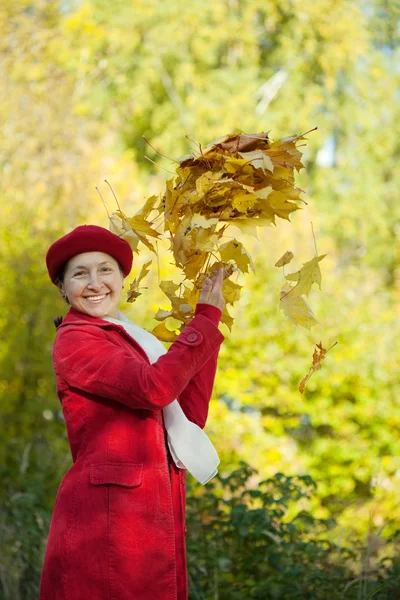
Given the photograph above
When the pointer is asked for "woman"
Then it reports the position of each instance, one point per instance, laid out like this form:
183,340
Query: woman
118,525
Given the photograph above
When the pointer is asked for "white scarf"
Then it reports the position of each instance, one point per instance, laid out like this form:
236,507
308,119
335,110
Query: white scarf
189,445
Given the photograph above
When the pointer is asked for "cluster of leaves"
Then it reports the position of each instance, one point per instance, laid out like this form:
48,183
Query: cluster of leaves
255,541
245,180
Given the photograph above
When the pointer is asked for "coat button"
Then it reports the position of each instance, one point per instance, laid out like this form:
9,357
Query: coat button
192,337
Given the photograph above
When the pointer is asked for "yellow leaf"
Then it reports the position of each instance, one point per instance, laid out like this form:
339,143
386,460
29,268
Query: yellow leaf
147,207
201,221
122,229
205,242
206,181
264,193
142,227
169,288
296,308
161,314
226,318
162,333
258,159
243,201
231,291
234,250
309,273
191,295
194,263
280,205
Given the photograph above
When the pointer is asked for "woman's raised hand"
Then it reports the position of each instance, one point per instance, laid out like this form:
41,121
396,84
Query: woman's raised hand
211,292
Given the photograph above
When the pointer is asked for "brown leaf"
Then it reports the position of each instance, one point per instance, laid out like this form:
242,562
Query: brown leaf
133,292
242,142
285,259
319,355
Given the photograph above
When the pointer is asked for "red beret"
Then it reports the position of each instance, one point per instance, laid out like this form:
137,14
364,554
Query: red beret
87,238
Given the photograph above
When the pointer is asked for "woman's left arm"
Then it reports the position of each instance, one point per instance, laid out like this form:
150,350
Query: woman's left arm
195,398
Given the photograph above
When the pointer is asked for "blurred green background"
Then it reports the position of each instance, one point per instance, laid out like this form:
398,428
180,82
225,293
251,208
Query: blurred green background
82,83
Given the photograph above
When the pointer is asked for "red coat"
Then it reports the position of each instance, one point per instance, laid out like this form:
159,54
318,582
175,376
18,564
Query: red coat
118,526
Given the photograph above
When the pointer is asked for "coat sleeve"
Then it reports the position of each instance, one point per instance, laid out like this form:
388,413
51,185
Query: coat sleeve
86,360
195,398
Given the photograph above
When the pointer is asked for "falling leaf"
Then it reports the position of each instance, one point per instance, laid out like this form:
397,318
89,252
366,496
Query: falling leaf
319,355
133,292
296,308
285,259
309,273
241,141
121,228
147,207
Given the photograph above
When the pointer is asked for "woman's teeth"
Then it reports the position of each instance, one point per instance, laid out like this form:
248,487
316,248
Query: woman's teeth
96,299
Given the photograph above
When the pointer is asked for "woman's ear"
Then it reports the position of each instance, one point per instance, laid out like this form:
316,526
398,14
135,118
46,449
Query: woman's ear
62,292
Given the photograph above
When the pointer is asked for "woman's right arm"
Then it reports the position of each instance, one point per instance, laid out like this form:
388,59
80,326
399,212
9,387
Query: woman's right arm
86,360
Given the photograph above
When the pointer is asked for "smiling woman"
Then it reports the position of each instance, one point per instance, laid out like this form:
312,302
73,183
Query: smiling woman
92,283
134,414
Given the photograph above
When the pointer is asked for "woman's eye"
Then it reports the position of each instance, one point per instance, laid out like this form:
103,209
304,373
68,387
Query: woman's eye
79,273
106,269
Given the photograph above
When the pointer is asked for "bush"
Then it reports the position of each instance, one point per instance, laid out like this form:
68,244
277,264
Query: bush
249,541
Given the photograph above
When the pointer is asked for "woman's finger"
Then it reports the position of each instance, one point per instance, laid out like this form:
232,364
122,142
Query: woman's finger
205,290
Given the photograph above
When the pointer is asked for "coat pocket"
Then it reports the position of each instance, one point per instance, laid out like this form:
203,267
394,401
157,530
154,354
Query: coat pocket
123,474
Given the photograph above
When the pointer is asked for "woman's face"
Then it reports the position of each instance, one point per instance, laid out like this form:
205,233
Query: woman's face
93,284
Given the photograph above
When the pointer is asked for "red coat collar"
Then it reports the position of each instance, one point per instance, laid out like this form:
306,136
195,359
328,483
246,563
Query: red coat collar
75,317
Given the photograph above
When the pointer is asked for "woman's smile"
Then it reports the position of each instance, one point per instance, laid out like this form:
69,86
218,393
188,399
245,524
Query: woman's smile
96,299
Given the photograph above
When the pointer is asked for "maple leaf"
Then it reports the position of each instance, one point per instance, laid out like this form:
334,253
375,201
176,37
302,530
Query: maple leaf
121,228
133,292
319,355
258,159
169,288
226,318
181,309
201,221
234,250
163,333
240,142
309,273
243,201
147,207
231,291
280,205
133,229
291,298
296,308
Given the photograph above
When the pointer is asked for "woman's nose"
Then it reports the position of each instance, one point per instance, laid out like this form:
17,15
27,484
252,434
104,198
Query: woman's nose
94,282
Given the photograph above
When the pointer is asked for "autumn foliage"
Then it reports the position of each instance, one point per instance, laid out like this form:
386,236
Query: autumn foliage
245,180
